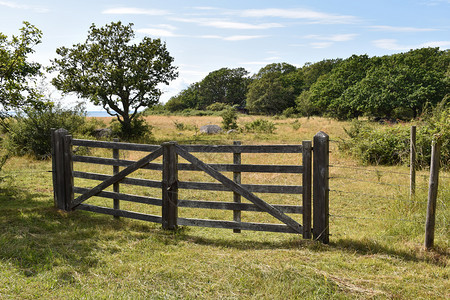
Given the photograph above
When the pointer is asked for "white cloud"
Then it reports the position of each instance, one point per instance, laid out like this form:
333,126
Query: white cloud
134,11
305,14
321,45
333,38
224,24
38,9
392,44
243,37
157,32
401,29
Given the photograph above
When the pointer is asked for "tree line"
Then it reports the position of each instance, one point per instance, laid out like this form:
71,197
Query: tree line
393,86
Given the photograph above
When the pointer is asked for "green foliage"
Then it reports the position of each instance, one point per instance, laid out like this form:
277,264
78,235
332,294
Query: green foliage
110,71
260,126
137,131
273,89
229,119
182,126
304,105
289,112
390,145
17,75
29,132
218,106
296,125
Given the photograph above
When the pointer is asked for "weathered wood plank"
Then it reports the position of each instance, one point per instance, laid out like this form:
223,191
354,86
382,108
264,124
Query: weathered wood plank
289,209
306,183
115,145
239,189
131,181
189,167
119,176
236,225
254,188
321,188
237,159
120,213
243,148
169,187
121,196
116,186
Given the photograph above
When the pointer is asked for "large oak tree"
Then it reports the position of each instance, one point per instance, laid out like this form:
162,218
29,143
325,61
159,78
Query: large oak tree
112,71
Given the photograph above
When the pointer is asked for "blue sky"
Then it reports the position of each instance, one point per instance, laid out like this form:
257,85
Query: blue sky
204,36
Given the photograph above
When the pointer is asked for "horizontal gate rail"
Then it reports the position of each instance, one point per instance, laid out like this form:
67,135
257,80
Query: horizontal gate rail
236,225
243,148
115,145
289,209
131,181
122,196
120,213
189,167
254,188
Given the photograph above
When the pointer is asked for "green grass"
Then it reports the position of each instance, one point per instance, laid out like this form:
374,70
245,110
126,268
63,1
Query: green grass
375,251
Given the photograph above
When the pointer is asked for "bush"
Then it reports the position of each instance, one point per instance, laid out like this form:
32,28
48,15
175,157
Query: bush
29,133
218,106
390,145
260,126
138,131
229,119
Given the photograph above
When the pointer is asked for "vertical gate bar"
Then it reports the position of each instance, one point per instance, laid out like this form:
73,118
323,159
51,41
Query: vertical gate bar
237,178
412,164
306,183
54,162
170,186
321,187
432,193
58,168
116,186
68,173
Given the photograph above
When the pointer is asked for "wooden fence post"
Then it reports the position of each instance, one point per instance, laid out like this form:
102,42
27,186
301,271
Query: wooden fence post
432,193
412,164
116,186
169,186
321,187
62,167
306,183
237,178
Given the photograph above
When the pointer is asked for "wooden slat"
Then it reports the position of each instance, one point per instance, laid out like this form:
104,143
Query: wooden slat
115,145
236,225
239,189
254,188
189,167
132,181
289,209
120,213
243,148
119,176
121,196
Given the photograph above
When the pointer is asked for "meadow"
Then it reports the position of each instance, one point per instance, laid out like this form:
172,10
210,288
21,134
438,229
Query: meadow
375,251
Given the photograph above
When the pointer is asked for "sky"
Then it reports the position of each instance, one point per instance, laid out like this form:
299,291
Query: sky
204,36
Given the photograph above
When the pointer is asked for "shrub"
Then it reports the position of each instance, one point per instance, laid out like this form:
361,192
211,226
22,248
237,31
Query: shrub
229,119
260,126
289,112
180,126
139,130
29,133
218,106
296,125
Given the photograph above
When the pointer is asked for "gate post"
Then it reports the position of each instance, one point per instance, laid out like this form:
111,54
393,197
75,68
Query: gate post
321,187
169,186
62,167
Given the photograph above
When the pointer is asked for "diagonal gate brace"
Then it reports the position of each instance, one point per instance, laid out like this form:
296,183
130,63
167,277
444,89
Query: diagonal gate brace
119,176
239,189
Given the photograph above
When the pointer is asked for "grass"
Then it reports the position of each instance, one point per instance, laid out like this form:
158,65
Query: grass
375,250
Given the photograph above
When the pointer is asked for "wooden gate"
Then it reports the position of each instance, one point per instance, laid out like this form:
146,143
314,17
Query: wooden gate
64,189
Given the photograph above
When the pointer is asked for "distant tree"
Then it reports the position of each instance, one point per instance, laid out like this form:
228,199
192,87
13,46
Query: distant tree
187,98
225,85
312,71
109,70
274,88
16,72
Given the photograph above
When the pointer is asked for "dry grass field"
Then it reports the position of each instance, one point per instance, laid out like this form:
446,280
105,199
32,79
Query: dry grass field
375,251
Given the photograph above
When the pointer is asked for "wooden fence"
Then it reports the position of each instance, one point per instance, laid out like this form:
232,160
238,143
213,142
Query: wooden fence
314,210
